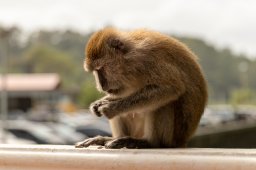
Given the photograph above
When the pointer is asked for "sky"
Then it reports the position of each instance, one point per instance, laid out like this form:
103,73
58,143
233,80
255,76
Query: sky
223,23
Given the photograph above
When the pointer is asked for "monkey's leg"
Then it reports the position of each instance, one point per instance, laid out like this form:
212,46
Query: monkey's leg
127,142
118,127
98,140
121,132
118,130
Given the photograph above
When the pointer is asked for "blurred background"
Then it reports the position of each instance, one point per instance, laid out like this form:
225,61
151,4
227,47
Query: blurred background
45,92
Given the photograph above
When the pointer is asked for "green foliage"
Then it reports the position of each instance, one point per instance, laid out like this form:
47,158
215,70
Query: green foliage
220,68
243,96
88,93
68,41
10,40
41,58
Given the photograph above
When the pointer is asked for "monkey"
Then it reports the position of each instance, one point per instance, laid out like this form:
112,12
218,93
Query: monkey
155,88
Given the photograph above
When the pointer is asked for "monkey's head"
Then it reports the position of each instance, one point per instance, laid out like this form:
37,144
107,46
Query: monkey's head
109,55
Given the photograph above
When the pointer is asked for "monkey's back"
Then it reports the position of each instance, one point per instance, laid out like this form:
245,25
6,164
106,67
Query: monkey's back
189,107
169,53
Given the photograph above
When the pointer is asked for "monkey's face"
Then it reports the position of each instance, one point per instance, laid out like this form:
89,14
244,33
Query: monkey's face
105,53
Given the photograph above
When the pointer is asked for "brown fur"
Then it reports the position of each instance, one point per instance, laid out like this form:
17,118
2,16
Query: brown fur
155,89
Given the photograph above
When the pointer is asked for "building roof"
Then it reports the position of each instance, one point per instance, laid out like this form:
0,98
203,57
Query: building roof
31,82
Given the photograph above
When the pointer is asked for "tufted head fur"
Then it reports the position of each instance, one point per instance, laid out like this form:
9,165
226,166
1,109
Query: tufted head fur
110,55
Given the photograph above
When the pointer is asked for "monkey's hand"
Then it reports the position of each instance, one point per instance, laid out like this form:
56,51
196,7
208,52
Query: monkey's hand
103,106
149,97
96,107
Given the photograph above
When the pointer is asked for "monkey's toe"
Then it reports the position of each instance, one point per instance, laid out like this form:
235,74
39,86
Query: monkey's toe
127,142
98,140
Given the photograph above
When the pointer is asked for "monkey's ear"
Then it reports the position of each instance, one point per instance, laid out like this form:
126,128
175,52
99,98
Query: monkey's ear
117,44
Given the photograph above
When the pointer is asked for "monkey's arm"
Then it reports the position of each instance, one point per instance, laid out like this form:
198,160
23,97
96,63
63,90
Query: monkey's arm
150,97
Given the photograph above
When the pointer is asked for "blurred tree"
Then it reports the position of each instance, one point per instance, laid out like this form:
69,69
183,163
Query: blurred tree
70,42
44,59
220,68
88,93
243,96
251,74
13,39
67,41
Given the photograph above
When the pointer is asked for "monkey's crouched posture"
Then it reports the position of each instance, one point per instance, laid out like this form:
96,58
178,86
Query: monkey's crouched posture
155,89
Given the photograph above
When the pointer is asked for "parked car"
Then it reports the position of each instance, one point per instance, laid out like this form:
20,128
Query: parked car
12,139
92,130
69,134
217,115
34,131
209,118
87,123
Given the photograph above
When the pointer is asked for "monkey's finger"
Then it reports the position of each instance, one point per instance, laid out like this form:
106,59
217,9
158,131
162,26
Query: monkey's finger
94,109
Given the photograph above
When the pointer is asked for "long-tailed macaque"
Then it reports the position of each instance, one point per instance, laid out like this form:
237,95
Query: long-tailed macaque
154,86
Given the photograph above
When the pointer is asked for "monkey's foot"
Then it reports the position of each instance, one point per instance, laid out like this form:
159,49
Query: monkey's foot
127,142
98,140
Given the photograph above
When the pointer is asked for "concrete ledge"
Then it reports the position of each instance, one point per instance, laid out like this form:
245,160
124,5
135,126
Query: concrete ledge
49,157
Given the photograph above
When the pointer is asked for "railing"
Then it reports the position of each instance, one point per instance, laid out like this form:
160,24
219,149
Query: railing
49,157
